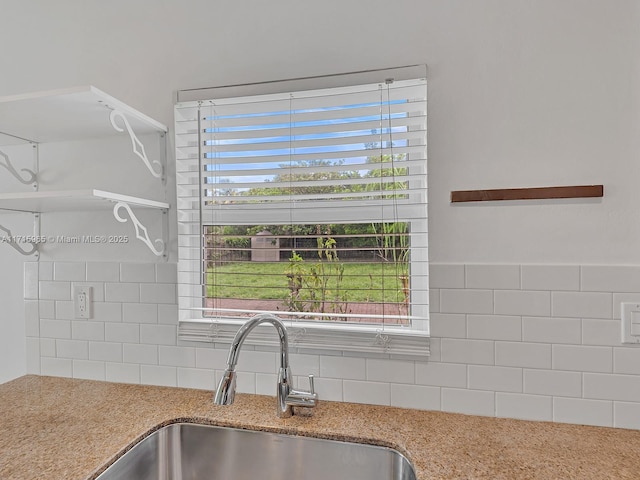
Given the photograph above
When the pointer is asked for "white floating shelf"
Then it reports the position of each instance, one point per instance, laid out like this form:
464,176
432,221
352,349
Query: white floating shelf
72,201
69,114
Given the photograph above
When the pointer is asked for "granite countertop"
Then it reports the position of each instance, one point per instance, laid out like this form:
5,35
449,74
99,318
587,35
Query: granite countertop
71,429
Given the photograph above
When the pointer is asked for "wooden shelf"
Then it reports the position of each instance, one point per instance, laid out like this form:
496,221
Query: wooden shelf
71,201
537,193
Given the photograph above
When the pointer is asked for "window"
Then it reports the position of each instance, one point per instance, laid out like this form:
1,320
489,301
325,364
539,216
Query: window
310,204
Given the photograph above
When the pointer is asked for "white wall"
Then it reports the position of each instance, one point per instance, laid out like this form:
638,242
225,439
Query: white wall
521,93
12,328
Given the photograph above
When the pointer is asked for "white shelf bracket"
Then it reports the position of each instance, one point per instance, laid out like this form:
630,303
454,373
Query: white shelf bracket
141,231
6,163
10,240
136,144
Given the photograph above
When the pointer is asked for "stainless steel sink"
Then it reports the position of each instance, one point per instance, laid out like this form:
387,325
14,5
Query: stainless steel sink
186,451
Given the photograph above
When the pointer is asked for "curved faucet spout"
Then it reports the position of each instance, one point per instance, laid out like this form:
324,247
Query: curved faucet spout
248,327
225,392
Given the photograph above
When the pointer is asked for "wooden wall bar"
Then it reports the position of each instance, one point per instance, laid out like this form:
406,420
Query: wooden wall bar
537,193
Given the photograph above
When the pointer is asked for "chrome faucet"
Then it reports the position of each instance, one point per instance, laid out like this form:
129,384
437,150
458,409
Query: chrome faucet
286,396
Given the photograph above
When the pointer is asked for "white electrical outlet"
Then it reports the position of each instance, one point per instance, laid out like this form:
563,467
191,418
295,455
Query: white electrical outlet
630,323
82,301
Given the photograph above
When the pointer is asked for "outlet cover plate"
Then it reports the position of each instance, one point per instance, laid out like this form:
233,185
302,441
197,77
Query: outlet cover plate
82,301
630,323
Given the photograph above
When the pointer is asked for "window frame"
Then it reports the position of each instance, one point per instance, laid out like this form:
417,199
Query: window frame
336,338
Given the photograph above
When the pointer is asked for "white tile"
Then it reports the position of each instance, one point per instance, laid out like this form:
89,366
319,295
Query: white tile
266,384
498,379
582,358
600,386
466,301
520,354
177,356
626,415
522,302
89,370
47,347
32,318
69,271
470,402
494,327
584,412
158,334
122,332
371,393
448,325
30,280
553,382
415,396
166,273
245,382
56,367
300,382
158,375
158,292
107,312
502,277
137,272
55,328
65,310
478,352
329,389
168,314
139,313
604,278
552,330
84,330
55,290
393,371
601,332
122,292
33,356
134,353
196,378
343,367
105,351
551,277
257,362
304,365
78,349
626,360
123,373
103,272
211,358
441,374
47,309
45,271
446,276
582,305
524,407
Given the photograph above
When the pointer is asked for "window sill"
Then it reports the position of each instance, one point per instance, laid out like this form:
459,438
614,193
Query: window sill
390,342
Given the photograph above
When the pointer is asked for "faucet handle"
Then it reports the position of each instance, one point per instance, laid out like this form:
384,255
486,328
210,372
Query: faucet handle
303,398
301,401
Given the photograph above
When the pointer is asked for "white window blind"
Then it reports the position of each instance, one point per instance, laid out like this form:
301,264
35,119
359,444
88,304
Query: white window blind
315,166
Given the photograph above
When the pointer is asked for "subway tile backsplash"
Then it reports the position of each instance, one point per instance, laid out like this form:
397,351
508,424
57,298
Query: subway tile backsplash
536,342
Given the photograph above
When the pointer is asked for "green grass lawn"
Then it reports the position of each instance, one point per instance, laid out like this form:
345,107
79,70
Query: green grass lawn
361,282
